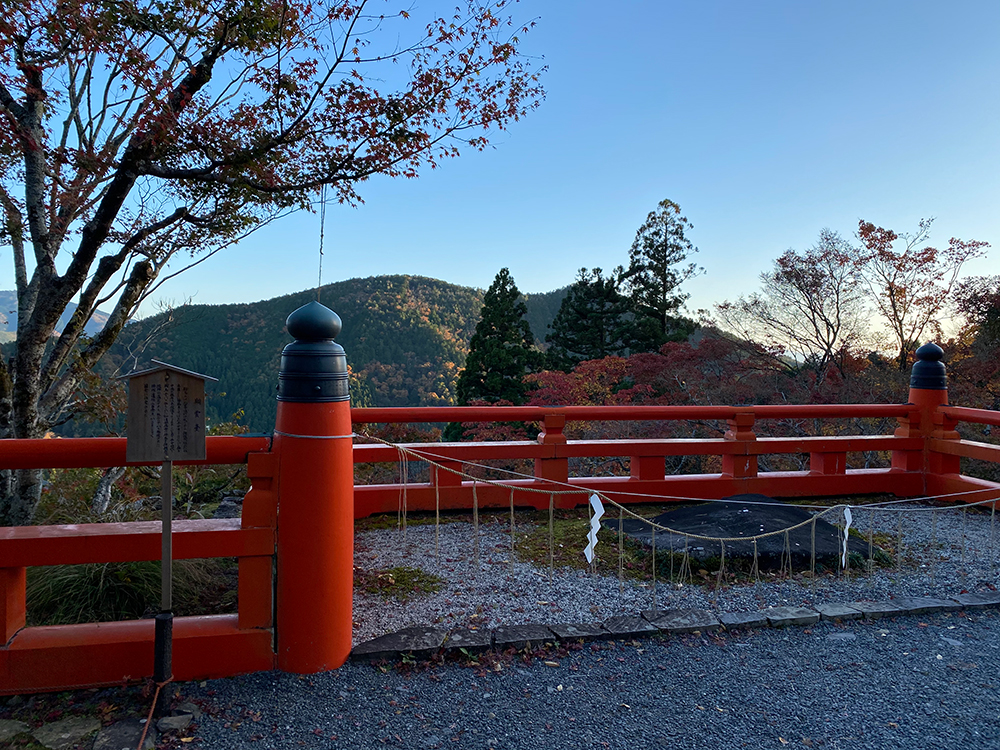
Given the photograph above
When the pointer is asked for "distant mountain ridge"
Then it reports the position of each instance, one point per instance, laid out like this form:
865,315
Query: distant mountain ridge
406,337
8,316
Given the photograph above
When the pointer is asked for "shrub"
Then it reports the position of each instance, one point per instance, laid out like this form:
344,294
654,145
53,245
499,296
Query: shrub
100,592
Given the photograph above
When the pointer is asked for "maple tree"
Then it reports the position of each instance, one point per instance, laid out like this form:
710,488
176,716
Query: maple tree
978,300
974,355
809,311
910,282
138,131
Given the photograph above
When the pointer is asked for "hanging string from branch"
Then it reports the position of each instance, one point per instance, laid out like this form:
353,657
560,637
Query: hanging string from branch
322,235
670,540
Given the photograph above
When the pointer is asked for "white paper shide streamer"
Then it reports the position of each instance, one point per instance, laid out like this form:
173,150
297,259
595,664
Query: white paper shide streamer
847,530
595,525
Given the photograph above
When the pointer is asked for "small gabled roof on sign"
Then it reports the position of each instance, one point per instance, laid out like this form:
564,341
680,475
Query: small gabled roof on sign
159,366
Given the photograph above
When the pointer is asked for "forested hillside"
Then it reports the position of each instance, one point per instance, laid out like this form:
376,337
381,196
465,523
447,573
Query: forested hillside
406,338
542,309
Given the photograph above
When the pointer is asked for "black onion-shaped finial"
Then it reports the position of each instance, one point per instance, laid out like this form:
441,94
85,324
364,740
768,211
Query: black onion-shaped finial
313,367
929,371
314,322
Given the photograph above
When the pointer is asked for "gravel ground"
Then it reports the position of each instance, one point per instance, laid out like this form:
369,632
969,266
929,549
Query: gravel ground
908,682
933,564
903,683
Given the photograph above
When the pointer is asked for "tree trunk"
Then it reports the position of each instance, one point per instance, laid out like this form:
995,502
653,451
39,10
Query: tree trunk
102,496
20,507
22,488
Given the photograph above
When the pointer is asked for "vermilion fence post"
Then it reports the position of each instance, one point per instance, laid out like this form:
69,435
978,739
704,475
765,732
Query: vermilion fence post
315,496
928,392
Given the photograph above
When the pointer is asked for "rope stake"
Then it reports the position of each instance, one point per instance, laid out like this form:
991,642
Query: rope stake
552,537
475,525
512,535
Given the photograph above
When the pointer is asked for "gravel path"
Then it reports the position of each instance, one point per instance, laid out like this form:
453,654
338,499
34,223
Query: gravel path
904,683
908,682
933,564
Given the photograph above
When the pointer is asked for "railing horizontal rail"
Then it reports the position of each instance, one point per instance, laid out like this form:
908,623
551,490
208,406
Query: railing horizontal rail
976,416
422,496
26,546
57,453
622,413
678,447
66,657
966,449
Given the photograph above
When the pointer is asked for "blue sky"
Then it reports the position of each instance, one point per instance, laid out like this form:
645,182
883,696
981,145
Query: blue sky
765,121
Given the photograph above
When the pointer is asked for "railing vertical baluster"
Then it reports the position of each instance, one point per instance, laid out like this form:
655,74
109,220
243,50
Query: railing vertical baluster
12,601
740,464
256,580
554,468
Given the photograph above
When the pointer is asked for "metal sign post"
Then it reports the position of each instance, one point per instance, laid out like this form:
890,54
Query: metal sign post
166,423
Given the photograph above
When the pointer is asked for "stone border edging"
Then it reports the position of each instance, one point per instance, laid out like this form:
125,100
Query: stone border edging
422,642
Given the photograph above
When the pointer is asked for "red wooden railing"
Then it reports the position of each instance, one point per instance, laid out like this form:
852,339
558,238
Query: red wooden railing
65,656
925,452
738,453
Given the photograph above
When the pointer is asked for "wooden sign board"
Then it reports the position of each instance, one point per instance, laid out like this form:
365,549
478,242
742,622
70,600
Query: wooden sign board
166,415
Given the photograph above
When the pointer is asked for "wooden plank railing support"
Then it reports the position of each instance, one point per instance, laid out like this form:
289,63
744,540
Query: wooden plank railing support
647,468
12,602
911,459
828,464
554,468
256,574
741,464
943,429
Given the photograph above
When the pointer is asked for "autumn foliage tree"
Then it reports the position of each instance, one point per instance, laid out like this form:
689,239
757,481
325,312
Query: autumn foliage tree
910,282
137,132
809,311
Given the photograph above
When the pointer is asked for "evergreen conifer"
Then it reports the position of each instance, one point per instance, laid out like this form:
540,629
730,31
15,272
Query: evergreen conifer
593,322
502,349
655,274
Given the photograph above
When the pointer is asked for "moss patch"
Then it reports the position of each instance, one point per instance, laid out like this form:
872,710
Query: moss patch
393,521
401,583
569,532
